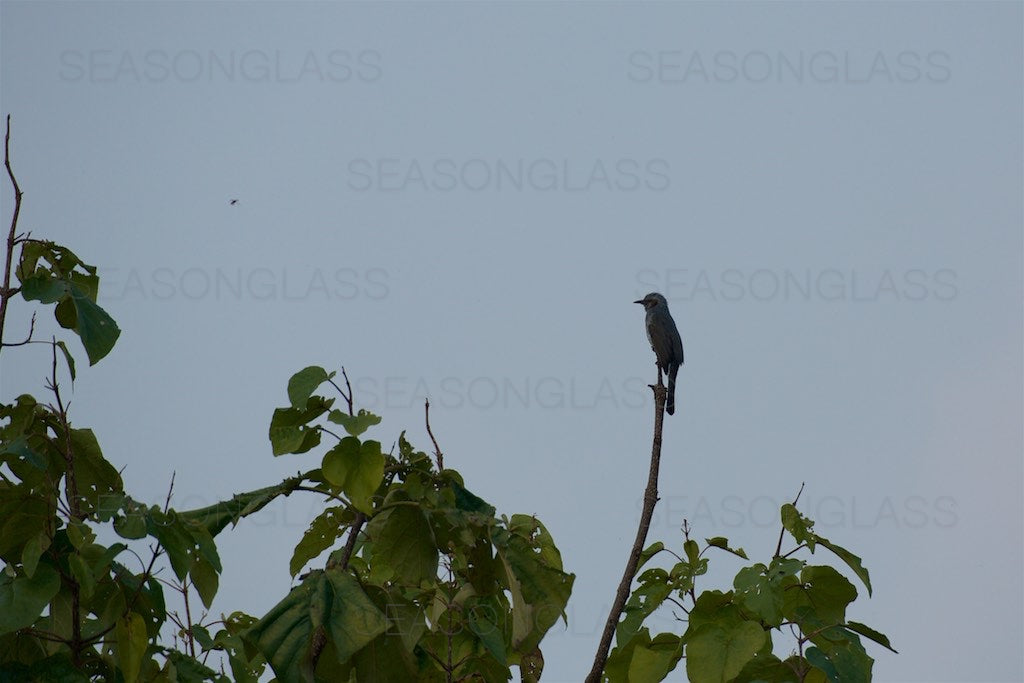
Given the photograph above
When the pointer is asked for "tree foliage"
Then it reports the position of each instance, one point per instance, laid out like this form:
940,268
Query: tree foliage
405,573
729,634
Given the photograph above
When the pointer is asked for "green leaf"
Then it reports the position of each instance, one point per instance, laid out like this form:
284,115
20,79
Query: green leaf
716,655
289,432
303,383
175,539
130,633
484,627
20,449
850,559
767,668
32,550
869,633
66,313
94,326
692,551
331,598
404,547
22,599
68,358
131,525
320,536
95,476
214,518
653,661
44,288
840,655
827,593
758,593
83,575
356,468
649,552
354,424
723,543
205,579
539,591
647,597
799,527
467,501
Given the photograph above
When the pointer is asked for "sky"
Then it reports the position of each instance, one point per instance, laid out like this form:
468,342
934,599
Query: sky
461,201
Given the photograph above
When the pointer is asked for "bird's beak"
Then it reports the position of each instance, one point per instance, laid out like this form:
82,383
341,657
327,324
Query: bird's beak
640,301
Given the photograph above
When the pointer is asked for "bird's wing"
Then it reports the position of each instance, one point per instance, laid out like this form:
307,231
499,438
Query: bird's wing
661,341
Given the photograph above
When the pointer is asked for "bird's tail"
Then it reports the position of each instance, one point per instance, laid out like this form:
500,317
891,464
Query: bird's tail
670,401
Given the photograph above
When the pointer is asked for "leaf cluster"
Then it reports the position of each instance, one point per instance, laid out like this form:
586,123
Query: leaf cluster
729,634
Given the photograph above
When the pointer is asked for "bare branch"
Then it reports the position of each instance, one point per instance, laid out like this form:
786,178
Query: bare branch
5,289
646,513
31,329
437,449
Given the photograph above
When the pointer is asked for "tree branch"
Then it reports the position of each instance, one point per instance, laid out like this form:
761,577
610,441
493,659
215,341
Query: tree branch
437,449
5,290
646,513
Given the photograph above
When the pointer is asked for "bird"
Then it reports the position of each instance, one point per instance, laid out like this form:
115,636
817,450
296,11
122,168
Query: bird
665,342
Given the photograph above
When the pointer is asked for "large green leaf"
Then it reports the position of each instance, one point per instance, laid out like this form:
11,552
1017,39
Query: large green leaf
22,599
303,383
95,327
840,655
761,589
539,591
354,619
356,468
217,516
290,431
321,534
327,604
403,546
130,633
870,633
716,655
96,478
827,592
653,589
652,661
852,561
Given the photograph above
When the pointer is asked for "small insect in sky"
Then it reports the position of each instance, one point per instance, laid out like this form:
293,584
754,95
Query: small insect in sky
233,202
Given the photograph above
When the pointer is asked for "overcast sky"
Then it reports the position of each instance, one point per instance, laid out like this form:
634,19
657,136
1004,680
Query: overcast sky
461,201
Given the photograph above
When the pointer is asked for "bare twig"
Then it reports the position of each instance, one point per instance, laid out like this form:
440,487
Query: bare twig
5,290
437,449
170,491
650,500
347,395
778,548
28,339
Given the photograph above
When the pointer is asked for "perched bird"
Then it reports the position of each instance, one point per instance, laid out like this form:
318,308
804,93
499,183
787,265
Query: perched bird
665,341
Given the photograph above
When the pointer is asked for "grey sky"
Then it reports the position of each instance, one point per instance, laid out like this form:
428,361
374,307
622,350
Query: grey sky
463,200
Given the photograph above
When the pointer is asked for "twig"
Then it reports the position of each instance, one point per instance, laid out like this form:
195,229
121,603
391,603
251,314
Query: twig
28,339
646,513
5,291
170,490
778,548
347,396
437,449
